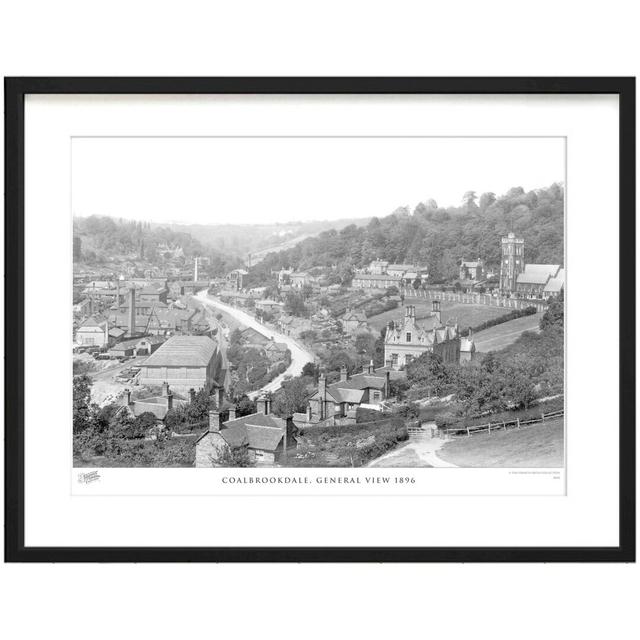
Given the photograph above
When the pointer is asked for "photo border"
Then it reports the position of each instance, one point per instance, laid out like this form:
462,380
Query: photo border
15,91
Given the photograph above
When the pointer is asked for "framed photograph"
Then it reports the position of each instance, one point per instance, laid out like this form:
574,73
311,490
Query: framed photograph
320,319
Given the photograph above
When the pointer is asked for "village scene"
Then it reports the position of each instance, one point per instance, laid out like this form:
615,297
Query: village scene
432,337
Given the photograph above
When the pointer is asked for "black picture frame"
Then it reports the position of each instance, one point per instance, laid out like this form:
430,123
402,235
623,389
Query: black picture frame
15,91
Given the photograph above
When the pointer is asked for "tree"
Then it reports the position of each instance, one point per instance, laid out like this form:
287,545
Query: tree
486,200
77,249
416,283
554,315
469,200
245,406
291,397
83,411
310,370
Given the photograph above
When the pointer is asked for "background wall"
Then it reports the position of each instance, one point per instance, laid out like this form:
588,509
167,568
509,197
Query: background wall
322,38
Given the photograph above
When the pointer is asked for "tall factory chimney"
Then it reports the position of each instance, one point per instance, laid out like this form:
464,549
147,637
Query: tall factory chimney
132,311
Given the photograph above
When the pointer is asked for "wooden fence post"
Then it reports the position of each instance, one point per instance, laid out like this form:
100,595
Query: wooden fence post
543,417
517,423
468,432
489,427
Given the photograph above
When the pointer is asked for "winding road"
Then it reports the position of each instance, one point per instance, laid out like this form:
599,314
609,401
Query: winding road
299,355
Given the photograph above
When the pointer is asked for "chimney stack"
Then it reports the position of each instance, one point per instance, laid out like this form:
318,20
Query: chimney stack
322,386
436,309
219,396
195,271
388,363
169,400
344,376
214,421
127,393
192,395
232,412
132,311
165,389
371,368
264,404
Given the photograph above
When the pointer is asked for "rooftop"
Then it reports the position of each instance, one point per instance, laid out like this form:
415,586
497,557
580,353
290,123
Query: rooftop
183,351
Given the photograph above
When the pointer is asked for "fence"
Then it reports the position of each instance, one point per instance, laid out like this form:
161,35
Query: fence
500,426
474,298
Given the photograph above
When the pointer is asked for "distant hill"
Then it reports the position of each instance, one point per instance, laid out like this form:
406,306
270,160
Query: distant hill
240,240
437,238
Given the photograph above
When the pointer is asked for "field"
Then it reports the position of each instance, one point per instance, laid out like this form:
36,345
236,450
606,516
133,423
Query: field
502,335
467,315
540,445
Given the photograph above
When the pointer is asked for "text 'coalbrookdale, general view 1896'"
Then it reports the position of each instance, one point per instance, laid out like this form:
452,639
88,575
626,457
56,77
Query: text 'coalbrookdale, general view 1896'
430,337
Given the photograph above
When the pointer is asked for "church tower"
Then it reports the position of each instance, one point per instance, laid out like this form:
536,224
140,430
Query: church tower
512,261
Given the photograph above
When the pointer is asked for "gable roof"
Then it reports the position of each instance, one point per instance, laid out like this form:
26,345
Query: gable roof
183,351
556,284
538,273
257,431
93,321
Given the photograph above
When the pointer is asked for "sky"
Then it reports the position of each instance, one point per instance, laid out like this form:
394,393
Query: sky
267,180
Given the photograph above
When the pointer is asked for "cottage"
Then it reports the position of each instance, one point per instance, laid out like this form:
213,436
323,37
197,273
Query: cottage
184,362
158,405
342,398
265,438
354,321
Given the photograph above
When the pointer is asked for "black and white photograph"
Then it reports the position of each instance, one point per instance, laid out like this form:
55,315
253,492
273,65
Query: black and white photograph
318,301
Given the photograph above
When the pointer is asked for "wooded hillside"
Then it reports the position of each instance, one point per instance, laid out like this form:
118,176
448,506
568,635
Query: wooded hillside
438,238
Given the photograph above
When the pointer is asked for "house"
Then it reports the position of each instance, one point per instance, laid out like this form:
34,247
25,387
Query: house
253,338
93,332
235,277
158,405
532,281
184,362
406,340
467,348
472,270
299,278
126,348
269,305
283,276
265,438
342,398
378,267
116,334
372,281
398,270
148,345
153,293
354,321
276,351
